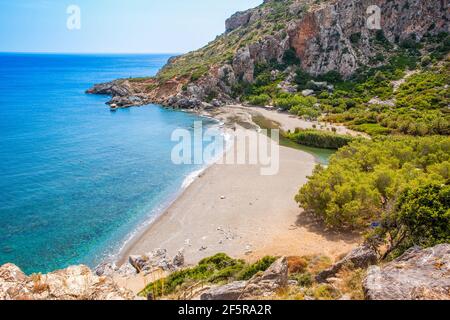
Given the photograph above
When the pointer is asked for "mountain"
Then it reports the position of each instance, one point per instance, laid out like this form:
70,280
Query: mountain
317,37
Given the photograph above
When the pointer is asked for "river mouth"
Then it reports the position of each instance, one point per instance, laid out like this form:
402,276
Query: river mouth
321,156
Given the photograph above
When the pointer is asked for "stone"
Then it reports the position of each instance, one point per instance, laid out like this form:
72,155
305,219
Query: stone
178,260
155,260
231,291
359,258
261,285
419,274
239,19
307,93
73,283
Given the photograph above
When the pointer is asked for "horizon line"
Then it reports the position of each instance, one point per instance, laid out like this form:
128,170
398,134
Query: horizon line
88,53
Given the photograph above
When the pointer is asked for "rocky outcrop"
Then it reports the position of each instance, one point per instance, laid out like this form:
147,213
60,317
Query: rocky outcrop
359,258
73,283
336,36
419,274
262,285
327,36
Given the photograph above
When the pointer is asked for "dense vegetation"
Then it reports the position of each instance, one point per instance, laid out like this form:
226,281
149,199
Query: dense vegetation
385,183
320,139
409,94
217,269
365,179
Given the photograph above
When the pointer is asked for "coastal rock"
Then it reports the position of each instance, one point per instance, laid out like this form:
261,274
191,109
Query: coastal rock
378,101
360,258
330,37
73,283
419,274
113,88
261,285
287,87
157,259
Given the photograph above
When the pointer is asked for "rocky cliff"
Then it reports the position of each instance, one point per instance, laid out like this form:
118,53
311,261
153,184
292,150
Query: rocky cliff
73,283
316,36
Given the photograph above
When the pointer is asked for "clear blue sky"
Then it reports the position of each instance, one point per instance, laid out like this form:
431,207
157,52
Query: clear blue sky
114,26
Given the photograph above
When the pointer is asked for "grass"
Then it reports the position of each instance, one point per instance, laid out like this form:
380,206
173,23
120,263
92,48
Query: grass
216,269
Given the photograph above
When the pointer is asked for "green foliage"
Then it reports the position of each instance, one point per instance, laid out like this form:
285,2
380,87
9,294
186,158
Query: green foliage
304,279
259,100
262,265
365,178
421,217
320,139
216,269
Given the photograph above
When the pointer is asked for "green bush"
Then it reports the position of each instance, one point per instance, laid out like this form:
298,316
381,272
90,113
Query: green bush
262,265
320,139
216,269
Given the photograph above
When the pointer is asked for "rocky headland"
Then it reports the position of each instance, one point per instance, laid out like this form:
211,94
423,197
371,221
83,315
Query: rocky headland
321,37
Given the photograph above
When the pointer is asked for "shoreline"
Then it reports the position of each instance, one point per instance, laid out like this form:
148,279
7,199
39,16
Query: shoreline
200,238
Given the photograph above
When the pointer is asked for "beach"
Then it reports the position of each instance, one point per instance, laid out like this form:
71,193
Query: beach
236,210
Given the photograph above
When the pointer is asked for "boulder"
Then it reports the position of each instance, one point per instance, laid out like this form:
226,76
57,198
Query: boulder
178,260
360,258
73,283
261,285
231,291
307,93
419,274
237,20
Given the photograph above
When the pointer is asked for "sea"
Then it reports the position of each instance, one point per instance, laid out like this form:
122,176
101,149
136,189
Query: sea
77,180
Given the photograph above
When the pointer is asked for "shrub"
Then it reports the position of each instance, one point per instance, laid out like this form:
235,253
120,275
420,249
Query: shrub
297,265
259,100
215,269
249,271
421,217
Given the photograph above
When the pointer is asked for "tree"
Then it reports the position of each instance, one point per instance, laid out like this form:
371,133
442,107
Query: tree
421,217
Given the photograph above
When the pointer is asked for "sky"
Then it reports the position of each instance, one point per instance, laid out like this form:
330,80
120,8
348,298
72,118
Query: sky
113,26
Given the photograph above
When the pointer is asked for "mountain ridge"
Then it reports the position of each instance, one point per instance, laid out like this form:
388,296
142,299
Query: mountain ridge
319,37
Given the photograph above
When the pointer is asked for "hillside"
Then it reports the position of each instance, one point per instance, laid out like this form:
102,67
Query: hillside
318,37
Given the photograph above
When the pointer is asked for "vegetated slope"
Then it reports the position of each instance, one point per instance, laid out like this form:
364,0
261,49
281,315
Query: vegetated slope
265,51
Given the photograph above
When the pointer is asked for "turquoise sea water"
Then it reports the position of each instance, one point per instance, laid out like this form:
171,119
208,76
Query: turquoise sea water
75,178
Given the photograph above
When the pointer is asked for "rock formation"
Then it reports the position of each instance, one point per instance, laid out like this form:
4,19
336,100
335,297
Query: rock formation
261,285
333,35
143,264
419,274
73,283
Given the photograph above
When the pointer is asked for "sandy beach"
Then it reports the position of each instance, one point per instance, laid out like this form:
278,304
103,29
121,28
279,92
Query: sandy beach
236,210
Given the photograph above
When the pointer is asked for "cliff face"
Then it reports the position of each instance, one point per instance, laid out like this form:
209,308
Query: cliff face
328,36
73,283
